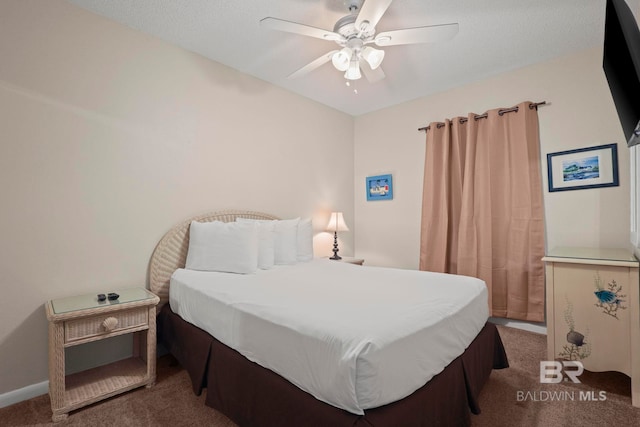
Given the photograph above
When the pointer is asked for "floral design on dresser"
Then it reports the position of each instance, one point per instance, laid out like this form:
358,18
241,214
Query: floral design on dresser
576,348
609,299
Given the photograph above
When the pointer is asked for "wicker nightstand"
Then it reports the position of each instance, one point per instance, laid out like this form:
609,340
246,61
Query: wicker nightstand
82,319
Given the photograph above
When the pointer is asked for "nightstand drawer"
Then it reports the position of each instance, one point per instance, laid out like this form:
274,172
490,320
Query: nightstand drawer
75,330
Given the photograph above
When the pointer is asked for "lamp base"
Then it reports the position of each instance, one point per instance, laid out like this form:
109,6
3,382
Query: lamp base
335,247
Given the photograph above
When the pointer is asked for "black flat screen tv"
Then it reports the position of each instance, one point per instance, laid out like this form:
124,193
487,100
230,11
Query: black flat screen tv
621,63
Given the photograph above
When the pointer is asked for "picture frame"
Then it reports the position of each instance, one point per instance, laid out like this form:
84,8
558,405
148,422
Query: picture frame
583,168
379,187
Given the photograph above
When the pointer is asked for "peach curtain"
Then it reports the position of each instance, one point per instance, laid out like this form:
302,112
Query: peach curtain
482,212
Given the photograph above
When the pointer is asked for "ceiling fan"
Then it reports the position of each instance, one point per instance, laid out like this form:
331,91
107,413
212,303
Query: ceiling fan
355,33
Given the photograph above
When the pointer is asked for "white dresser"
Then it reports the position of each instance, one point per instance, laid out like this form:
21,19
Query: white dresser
593,310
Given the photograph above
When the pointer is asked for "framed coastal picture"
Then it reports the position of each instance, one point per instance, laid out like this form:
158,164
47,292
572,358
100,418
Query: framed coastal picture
591,167
379,187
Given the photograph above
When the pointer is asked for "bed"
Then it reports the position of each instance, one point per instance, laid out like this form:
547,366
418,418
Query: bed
257,342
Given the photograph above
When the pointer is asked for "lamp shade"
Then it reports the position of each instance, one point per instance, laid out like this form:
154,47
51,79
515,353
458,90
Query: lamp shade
373,56
336,223
353,72
341,59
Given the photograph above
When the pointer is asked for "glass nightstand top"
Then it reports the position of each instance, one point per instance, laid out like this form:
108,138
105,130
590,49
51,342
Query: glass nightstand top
600,254
89,301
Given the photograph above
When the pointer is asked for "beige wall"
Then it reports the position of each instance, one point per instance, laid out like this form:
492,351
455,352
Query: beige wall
109,137
580,114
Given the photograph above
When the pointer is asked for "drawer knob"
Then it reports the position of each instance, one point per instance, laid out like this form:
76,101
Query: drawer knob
110,323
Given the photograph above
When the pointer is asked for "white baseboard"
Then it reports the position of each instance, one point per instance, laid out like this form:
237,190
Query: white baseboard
24,393
539,328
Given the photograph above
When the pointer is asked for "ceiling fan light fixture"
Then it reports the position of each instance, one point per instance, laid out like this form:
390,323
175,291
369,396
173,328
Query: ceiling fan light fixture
342,58
373,56
354,32
353,72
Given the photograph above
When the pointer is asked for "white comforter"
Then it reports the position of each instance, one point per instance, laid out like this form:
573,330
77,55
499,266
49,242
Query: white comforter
354,337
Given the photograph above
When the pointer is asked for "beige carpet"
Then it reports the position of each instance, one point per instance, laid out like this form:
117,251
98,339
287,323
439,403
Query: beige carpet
501,407
172,403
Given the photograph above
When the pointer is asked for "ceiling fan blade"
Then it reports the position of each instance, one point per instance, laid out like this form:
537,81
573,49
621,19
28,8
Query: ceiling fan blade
429,34
296,28
312,65
371,75
371,12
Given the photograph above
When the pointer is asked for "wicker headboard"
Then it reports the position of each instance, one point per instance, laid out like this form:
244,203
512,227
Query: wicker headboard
171,252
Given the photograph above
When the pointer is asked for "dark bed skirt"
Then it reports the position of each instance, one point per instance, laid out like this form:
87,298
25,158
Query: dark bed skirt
254,396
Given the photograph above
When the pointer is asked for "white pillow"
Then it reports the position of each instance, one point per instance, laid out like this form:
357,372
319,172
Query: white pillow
223,246
266,242
305,240
286,248
285,241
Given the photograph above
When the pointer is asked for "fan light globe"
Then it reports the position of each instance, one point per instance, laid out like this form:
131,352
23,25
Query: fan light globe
353,73
373,56
342,58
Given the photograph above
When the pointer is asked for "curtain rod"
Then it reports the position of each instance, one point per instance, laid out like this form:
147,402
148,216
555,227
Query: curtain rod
484,116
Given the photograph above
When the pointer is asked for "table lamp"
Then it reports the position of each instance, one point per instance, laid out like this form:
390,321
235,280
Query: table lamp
336,223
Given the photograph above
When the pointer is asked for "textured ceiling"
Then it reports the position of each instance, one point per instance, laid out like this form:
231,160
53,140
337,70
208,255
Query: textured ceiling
495,36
